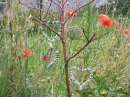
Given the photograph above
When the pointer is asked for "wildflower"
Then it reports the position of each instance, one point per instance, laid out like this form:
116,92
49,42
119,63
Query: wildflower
71,13
104,20
114,9
0,73
30,17
44,57
116,23
26,53
126,32
103,93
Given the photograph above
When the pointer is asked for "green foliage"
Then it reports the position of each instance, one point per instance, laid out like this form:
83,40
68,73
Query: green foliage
123,6
119,6
108,56
116,7
102,88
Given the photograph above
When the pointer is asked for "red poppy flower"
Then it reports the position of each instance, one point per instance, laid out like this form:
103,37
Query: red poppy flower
26,53
126,32
104,20
71,13
44,57
117,24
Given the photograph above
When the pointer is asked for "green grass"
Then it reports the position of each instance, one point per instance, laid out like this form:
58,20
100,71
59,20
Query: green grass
108,58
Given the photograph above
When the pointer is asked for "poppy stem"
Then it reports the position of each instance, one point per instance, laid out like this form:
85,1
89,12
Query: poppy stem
26,70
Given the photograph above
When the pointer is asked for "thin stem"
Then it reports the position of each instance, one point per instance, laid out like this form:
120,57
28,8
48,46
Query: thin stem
52,30
35,14
81,48
85,34
26,70
86,45
48,10
49,28
39,9
65,2
100,36
56,4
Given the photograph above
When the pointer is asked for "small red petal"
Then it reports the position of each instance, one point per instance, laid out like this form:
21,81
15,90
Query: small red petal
44,57
117,24
126,32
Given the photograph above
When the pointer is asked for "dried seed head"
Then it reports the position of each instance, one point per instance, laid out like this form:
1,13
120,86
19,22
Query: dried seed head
74,32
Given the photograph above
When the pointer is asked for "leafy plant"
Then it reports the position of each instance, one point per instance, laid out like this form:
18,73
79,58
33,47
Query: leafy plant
101,87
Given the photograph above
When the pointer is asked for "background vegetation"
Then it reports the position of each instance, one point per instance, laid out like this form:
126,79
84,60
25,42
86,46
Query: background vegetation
108,57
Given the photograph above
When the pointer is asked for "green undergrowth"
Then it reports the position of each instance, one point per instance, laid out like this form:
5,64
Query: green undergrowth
108,57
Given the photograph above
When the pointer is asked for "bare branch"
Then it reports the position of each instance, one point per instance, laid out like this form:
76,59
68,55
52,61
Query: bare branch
86,45
56,4
100,36
78,9
36,20
48,10
39,9
49,28
65,2
85,34
35,14
81,49
52,30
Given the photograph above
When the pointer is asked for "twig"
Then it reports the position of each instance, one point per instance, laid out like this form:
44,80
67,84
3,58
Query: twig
65,2
81,49
56,4
85,34
36,20
49,28
77,10
100,36
52,30
39,9
48,10
35,14
39,17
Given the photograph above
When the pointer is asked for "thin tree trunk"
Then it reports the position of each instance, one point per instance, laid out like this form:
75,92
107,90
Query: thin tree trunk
65,53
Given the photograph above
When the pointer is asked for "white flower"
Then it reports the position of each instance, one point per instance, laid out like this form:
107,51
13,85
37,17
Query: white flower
117,55
114,9
30,17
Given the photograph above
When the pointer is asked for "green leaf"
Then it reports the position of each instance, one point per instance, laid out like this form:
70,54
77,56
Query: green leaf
86,92
129,48
80,93
118,82
129,88
120,91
